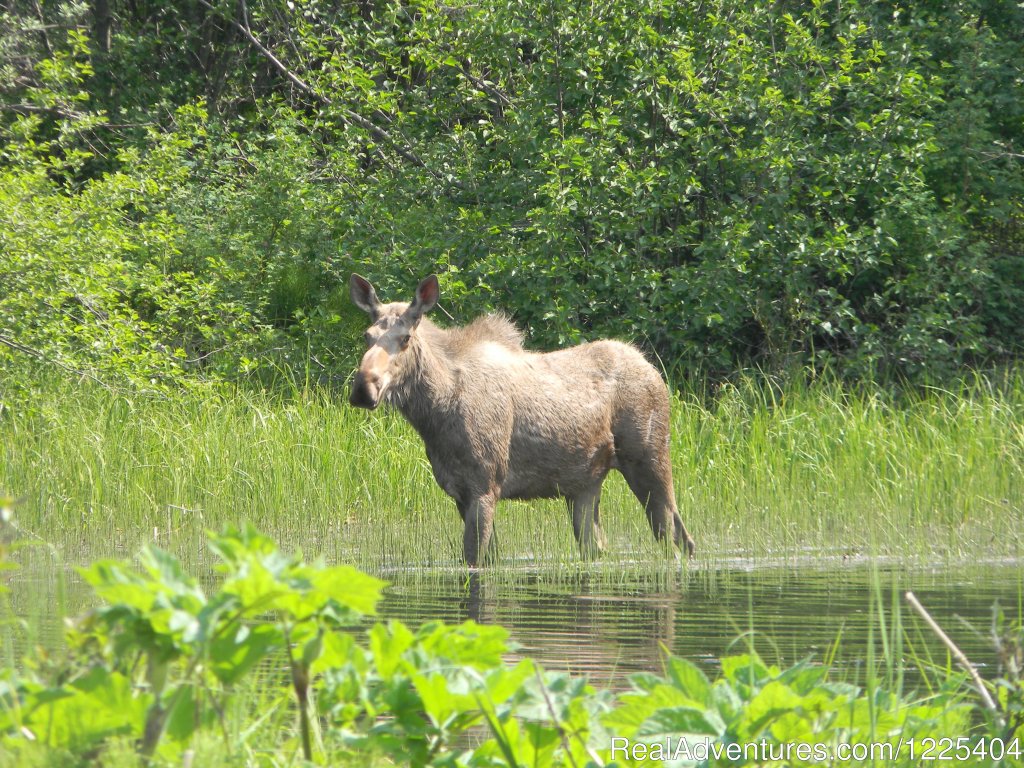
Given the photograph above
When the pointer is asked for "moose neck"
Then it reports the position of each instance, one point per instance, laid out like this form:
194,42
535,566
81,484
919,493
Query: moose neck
427,389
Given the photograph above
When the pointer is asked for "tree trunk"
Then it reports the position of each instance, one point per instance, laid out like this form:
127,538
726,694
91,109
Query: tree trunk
101,24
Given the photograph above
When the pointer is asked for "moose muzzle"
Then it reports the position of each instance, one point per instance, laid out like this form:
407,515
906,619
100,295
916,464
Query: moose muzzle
371,380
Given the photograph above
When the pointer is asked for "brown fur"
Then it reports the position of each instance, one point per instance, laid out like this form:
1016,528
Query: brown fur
500,422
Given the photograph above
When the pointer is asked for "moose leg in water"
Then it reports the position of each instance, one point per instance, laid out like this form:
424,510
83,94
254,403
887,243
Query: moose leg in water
479,525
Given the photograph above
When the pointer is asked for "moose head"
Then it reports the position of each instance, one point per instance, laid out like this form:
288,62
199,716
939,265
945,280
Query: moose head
390,339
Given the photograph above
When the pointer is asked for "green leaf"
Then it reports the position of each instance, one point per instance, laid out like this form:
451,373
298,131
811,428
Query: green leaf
438,703
747,669
116,584
92,709
772,701
635,708
690,679
184,717
338,649
238,648
677,720
349,587
387,644
311,649
481,646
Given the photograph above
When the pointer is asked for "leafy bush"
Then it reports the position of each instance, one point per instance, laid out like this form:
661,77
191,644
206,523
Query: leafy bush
729,185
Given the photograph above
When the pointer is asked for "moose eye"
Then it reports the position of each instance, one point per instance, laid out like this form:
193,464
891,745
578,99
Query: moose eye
368,338
403,340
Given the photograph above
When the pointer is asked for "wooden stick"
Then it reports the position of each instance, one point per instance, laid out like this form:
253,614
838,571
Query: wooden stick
959,655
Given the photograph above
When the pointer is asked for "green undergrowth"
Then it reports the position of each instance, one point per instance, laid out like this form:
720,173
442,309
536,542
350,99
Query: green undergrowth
762,472
274,664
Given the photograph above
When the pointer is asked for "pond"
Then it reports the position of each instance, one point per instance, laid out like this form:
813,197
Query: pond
597,621
607,631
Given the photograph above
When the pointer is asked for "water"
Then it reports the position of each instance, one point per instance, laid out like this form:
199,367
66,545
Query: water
605,625
608,632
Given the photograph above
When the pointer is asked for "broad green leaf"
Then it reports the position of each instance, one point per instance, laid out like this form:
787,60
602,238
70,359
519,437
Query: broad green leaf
635,708
338,648
690,679
438,702
678,720
166,570
481,646
804,677
238,648
116,584
387,644
503,683
747,669
772,701
350,587
184,717
99,705
255,587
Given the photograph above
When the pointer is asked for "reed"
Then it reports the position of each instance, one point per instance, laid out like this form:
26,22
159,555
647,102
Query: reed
763,472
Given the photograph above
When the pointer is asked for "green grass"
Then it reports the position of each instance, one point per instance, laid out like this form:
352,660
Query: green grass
817,470
762,473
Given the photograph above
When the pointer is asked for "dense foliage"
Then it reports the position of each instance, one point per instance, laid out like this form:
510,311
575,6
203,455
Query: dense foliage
185,186
261,668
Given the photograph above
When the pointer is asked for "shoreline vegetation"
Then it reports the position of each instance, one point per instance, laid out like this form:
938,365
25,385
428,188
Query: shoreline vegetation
763,470
168,670
768,472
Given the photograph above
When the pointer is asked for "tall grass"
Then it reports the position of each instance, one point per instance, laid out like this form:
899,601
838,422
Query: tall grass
822,469
762,471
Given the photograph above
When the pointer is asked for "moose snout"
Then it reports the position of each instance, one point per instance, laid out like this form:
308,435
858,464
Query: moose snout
371,380
365,391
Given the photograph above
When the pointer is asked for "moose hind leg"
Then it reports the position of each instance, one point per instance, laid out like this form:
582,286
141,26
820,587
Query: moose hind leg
478,516
585,521
652,485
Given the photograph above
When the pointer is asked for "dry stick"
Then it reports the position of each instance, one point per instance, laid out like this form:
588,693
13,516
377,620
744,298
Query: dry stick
959,655
353,117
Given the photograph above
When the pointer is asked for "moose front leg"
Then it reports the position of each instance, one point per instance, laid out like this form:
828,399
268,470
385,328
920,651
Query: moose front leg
478,515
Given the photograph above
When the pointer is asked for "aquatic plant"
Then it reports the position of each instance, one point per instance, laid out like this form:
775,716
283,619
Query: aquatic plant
761,470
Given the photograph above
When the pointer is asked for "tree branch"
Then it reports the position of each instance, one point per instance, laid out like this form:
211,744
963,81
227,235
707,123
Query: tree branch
25,350
959,655
489,88
32,109
352,117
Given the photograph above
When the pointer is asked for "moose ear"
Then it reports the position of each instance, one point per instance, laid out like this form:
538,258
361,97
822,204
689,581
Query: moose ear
363,295
427,294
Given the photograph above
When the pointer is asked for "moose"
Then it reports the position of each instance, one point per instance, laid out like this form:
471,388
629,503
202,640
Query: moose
501,422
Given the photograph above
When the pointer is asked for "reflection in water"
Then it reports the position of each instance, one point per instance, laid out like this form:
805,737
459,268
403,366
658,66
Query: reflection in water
587,627
607,628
